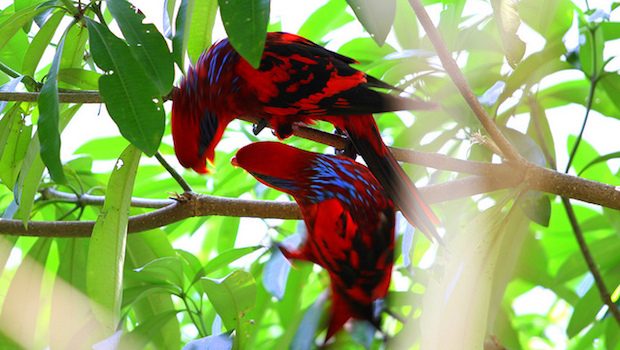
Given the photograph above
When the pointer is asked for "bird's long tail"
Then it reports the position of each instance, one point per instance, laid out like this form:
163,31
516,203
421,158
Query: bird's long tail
364,134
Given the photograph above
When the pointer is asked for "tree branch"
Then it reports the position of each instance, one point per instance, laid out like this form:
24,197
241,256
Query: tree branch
457,77
585,251
169,211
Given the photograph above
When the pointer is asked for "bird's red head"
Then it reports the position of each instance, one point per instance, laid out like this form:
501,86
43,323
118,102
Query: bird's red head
196,129
274,164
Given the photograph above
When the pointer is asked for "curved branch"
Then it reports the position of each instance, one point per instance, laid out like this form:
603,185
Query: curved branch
459,80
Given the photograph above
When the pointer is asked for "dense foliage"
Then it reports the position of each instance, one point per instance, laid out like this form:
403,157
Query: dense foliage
527,285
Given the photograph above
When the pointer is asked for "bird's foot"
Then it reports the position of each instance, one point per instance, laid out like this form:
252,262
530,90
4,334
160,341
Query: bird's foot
348,150
182,197
258,127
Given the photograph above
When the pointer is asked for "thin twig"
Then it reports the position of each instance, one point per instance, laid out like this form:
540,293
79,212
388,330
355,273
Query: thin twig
596,274
89,199
457,77
578,232
175,175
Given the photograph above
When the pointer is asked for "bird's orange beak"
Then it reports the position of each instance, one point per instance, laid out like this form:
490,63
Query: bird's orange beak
233,161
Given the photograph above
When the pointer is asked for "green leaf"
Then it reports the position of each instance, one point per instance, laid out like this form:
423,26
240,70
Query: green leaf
591,51
611,30
139,337
535,67
75,46
550,18
599,159
49,115
164,269
181,32
508,21
224,259
604,251
201,24
80,78
39,43
32,170
233,297
146,44
365,50
142,248
11,25
525,145
134,106
405,28
576,91
540,131
325,19
14,146
588,306
537,207
106,253
610,82
377,17
104,148
246,22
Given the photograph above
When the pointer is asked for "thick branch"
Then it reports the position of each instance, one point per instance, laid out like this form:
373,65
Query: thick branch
503,176
203,205
459,80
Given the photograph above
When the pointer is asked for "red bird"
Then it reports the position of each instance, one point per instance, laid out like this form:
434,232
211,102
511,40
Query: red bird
297,81
349,221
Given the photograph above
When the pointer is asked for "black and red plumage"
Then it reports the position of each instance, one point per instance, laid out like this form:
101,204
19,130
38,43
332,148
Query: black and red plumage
297,81
349,221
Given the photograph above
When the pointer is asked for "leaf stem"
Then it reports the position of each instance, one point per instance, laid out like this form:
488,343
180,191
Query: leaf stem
175,175
8,70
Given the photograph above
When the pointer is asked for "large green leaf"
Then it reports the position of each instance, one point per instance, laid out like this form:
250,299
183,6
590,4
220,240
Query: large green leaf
146,44
377,17
201,24
106,253
49,115
39,43
246,22
134,106
232,298
550,18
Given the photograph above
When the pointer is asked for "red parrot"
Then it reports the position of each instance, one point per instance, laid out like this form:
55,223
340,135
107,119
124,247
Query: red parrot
297,81
349,221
